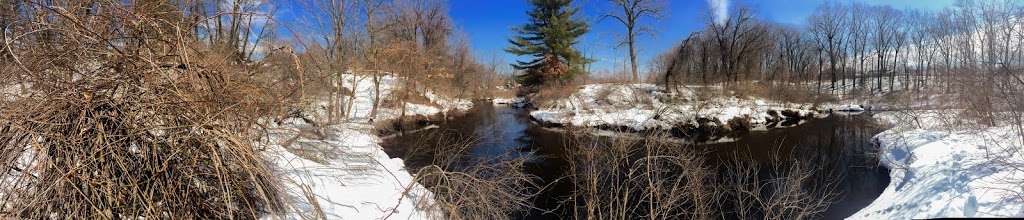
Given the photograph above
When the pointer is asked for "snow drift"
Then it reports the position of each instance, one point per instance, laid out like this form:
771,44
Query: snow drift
942,172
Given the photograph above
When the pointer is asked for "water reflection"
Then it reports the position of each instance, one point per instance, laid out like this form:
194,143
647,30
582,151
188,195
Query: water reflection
492,133
840,144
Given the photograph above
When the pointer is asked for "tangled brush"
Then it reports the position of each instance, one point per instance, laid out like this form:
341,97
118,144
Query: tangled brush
120,114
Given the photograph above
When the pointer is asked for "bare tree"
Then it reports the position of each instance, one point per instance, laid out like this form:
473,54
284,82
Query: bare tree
918,23
940,31
827,25
738,40
858,33
370,9
793,49
899,39
883,32
629,16
331,18
680,61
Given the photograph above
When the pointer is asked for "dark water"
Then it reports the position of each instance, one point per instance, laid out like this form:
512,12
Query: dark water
841,143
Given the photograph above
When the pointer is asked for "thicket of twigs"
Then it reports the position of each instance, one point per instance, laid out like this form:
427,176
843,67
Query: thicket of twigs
113,111
653,178
466,188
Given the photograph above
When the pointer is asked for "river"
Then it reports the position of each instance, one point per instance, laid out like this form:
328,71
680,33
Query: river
843,142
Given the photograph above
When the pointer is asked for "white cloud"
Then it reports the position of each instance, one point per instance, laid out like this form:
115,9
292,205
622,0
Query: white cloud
720,10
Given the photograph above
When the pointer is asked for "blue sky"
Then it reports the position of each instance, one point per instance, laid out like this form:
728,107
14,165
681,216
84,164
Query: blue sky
488,23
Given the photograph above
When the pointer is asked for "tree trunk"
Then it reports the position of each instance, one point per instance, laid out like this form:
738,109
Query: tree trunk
632,56
820,64
880,71
376,94
895,61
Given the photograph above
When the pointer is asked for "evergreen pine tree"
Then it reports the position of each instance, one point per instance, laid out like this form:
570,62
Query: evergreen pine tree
548,39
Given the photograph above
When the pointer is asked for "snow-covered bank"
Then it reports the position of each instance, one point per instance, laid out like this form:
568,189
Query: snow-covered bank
943,172
342,171
643,107
362,105
849,108
518,102
344,174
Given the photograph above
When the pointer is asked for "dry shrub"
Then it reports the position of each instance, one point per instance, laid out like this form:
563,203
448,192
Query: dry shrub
126,117
643,98
653,177
747,88
621,178
617,179
740,124
549,94
466,188
789,190
602,95
404,96
797,94
616,78
783,92
501,92
484,191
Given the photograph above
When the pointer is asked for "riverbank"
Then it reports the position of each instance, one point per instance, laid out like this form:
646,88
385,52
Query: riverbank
340,171
691,113
940,169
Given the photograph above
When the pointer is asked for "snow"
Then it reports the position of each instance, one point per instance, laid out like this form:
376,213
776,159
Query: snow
502,101
343,166
849,108
517,102
348,173
362,105
413,109
449,103
939,171
645,107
